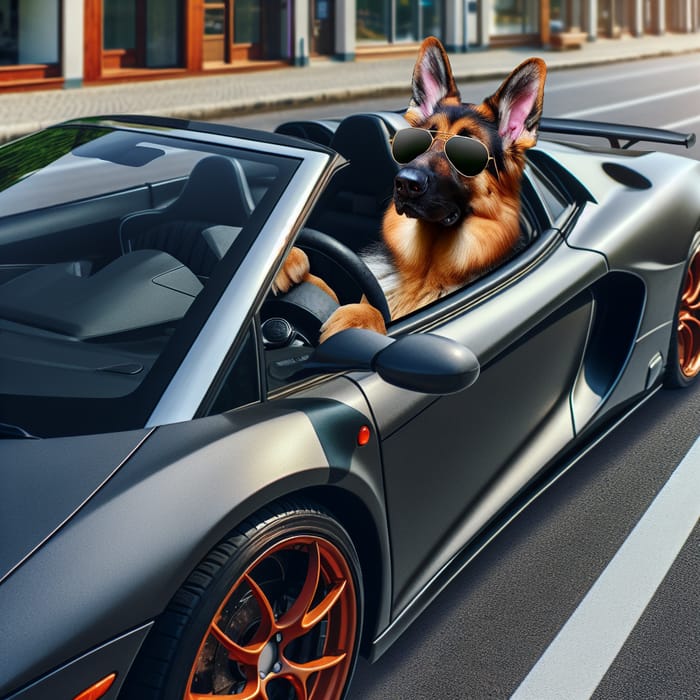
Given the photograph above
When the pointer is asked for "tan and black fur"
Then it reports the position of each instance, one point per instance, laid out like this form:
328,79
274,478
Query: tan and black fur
443,229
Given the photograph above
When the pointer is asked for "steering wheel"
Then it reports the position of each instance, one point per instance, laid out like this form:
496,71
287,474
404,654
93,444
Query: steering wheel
299,314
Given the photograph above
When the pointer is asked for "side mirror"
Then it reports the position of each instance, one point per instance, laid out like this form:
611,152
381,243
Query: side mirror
426,363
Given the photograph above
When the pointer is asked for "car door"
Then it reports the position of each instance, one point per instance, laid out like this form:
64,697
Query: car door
452,462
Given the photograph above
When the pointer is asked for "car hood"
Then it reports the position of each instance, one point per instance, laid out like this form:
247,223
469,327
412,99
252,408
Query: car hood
43,483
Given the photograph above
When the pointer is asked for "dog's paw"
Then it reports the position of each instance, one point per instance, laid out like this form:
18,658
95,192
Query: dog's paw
353,316
294,269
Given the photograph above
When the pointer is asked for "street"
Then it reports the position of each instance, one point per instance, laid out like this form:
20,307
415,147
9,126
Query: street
661,92
489,634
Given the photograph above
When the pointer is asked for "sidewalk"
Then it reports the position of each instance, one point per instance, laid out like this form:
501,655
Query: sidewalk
207,97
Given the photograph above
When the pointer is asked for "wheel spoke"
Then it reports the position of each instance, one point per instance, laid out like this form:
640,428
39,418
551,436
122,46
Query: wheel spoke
268,626
691,293
247,655
313,617
299,685
305,669
299,618
294,616
688,343
688,329
298,673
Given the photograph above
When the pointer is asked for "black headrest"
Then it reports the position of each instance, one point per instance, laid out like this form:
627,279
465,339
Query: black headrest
317,131
363,139
216,191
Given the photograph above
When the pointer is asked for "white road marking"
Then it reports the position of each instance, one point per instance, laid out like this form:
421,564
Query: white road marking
627,76
631,103
682,122
579,656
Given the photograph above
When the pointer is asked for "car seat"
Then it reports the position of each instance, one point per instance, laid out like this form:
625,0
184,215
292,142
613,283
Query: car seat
198,227
352,207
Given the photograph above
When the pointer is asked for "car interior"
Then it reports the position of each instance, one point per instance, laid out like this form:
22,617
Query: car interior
114,260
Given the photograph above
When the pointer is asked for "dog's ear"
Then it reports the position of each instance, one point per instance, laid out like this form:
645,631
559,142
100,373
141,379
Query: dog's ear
432,81
518,103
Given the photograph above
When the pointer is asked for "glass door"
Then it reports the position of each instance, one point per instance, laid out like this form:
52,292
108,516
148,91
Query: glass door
322,27
216,21
237,31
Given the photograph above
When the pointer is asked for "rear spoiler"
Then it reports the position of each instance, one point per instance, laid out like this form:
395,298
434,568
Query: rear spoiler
614,133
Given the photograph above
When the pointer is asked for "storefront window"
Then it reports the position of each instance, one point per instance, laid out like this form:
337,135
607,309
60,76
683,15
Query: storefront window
406,21
8,33
373,19
141,33
119,24
28,31
515,17
162,34
413,20
246,22
214,21
431,16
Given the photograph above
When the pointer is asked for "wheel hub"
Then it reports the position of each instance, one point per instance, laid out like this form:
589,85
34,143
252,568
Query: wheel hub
269,659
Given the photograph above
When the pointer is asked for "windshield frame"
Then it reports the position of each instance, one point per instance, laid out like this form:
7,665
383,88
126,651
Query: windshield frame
174,387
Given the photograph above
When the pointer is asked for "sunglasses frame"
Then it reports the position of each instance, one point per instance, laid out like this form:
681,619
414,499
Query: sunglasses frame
440,135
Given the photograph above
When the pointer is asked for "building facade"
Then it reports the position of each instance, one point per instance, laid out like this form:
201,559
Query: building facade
69,43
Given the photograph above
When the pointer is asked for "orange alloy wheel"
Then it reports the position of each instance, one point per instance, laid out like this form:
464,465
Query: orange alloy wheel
285,630
689,320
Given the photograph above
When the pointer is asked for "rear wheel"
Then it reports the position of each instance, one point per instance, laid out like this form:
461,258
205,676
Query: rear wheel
684,352
274,612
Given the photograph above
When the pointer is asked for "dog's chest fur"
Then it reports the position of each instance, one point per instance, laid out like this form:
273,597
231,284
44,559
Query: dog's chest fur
418,275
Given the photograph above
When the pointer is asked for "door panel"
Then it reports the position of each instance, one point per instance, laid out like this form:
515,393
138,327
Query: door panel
438,464
449,467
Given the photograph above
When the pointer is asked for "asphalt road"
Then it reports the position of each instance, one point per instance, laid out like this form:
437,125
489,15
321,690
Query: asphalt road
482,636
545,611
663,92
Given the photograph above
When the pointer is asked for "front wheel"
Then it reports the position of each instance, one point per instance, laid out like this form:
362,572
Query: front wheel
684,351
273,613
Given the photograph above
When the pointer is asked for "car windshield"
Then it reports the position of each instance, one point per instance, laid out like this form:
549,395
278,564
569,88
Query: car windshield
108,235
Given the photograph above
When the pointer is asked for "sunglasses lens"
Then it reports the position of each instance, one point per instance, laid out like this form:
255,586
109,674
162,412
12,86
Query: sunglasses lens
468,155
409,144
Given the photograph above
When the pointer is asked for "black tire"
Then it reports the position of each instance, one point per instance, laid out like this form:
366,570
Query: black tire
683,366
294,560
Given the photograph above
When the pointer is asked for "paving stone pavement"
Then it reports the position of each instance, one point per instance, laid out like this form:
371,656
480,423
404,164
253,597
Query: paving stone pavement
205,97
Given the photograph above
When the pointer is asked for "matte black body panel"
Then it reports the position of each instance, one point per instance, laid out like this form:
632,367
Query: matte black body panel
124,554
439,464
44,482
115,656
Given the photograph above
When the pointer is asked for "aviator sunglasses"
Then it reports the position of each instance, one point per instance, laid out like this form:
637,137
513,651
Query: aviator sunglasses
467,155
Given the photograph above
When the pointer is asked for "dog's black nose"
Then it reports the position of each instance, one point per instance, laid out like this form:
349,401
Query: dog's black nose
410,182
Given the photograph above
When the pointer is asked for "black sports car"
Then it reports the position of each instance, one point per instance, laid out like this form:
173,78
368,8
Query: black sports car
199,499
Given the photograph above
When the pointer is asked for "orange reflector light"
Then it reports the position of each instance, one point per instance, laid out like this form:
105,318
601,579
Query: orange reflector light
363,435
96,691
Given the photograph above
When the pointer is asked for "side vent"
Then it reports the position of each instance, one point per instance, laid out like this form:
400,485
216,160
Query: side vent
626,176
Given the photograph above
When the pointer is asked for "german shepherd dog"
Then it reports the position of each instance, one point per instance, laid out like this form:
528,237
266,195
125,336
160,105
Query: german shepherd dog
455,213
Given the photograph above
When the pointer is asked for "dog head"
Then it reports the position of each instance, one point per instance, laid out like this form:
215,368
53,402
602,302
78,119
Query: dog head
431,186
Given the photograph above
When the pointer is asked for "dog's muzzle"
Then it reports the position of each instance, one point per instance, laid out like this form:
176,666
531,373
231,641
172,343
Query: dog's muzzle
412,198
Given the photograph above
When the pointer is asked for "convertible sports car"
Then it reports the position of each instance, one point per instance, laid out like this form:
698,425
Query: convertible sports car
200,500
